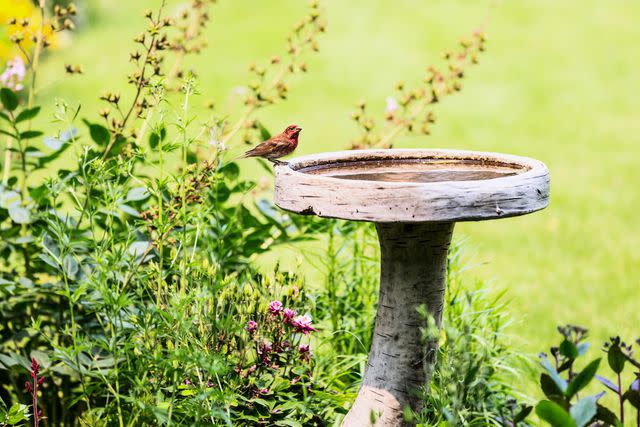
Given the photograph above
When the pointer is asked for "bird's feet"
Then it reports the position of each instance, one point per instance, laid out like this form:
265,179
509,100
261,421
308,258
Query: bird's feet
278,162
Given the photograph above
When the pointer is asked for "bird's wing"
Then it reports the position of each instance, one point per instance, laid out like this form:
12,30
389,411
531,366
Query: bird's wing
271,145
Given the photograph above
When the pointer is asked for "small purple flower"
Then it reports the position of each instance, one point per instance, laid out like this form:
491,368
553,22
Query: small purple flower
304,348
275,307
264,349
252,326
288,315
303,324
251,369
187,381
392,105
305,352
14,74
264,390
210,384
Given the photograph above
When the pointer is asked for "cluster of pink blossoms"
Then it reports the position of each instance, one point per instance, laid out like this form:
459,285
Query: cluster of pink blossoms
14,74
290,318
301,324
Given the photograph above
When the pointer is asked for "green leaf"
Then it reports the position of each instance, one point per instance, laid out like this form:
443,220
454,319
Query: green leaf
19,214
70,266
231,171
560,382
523,414
27,114
4,132
49,260
551,389
616,359
606,415
264,133
9,99
17,414
29,134
137,194
156,136
633,397
128,210
583,347
554,414
584,410
568,349
99,134
4,116
581,380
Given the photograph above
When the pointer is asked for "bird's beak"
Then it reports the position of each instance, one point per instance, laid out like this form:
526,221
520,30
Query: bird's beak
298,129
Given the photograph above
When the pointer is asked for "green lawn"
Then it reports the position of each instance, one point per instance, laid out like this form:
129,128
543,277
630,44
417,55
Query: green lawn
559,83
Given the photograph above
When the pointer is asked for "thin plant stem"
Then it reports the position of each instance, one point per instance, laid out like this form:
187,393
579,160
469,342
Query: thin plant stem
139,86
161,219
620,398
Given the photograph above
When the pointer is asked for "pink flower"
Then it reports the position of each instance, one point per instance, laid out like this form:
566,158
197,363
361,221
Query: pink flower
392,105
252,326
13,74
303,324
264,390
288,316
264,349
305,352
275,307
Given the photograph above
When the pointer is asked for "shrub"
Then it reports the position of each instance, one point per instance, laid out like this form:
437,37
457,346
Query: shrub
561,382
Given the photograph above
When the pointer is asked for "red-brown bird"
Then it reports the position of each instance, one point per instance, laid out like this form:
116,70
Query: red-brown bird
277,146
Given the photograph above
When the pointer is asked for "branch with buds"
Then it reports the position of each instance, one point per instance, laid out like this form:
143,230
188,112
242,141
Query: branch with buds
270,80
181,34
411,109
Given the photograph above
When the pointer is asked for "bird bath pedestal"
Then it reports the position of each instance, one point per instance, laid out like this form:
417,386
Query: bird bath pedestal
414,197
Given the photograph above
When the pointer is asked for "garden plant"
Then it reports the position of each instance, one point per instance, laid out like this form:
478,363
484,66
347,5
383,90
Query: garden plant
131,291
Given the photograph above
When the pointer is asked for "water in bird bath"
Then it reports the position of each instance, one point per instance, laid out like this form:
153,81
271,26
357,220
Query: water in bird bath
415,170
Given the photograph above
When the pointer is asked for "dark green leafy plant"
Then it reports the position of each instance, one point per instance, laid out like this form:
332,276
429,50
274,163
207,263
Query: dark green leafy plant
562,384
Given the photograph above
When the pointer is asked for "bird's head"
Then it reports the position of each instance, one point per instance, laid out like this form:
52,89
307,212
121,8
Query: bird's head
292,131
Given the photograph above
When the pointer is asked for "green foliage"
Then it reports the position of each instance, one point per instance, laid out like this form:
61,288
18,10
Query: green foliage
133,290
564,407
473,378
15,415
130,276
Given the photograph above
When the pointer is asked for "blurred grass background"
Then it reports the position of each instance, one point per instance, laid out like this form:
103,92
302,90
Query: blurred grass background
559,82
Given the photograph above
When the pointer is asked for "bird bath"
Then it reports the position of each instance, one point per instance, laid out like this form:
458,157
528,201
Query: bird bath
414,197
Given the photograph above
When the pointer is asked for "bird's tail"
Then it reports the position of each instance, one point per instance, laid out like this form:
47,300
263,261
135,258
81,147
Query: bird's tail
245,155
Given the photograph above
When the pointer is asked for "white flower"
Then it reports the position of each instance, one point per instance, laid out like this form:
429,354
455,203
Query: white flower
240,90
14,74
392,104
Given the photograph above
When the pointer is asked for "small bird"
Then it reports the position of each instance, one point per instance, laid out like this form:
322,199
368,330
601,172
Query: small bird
277,146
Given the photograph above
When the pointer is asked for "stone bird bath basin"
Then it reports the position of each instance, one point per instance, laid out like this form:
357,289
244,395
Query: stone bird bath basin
414,197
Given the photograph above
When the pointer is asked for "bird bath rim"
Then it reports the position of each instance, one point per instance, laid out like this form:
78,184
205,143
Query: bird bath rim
302,187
